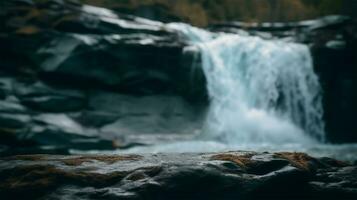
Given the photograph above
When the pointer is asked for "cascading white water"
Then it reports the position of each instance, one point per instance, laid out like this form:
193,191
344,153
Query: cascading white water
264,95
261,91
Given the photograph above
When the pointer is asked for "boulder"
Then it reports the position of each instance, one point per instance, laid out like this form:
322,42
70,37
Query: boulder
74,76
11,107
231,175
14,120
59,130
48,133
41,97
156,114
83,46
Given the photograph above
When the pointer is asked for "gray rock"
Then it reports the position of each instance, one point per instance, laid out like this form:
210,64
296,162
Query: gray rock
48,133
54,103
41,97
147,114
232,175
95,119
11,107
89,47
16,121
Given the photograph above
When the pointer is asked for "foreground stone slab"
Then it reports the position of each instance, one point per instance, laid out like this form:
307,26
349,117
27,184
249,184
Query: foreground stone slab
231,175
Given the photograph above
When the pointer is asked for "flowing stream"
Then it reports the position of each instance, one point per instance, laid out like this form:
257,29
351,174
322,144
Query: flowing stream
264,96
261,91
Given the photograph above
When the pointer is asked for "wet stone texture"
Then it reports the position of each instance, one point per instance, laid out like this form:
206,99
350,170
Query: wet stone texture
75,76
231,175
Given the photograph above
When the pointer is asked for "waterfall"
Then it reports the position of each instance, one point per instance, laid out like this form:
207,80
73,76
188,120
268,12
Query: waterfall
261,91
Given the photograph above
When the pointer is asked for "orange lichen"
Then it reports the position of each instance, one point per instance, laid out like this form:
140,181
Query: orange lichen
29,177
37,180
43,177
299,160
243,161
28,30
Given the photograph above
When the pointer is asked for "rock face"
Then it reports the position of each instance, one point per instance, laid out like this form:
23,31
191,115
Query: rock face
69,43
232,175
333,42
78,76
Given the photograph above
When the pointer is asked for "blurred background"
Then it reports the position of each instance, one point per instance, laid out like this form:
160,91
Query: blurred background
97,75
203,12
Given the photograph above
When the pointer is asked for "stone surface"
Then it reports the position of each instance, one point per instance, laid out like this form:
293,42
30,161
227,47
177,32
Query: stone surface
84,46
231,175
75,76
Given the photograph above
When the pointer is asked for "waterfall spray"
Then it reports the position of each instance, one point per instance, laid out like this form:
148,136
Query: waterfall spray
261,91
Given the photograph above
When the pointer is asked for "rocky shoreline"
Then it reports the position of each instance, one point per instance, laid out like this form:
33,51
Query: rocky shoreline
230,175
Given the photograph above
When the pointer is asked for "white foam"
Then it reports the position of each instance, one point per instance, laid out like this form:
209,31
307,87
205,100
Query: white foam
261,91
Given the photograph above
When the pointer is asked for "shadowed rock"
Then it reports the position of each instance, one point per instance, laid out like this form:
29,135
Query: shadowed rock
75,76
231,175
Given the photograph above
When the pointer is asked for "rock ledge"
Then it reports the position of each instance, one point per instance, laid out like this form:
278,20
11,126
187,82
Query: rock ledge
231,175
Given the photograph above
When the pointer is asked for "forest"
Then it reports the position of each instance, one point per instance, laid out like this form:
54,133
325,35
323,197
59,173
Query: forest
203,12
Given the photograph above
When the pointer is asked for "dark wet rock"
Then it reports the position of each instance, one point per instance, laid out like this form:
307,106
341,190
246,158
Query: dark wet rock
56,53
54,103
301,31
231,175
24,148
95,119
54,138
14,120
41,97
147,114
5,87
47,133
59,130
11,107
85,46
60,121
153,11
340,182
334,48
